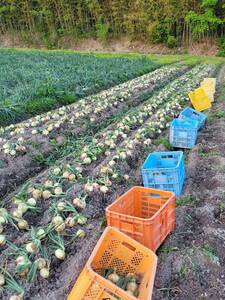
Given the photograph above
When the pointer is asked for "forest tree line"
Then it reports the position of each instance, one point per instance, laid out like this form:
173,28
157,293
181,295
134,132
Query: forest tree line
172,22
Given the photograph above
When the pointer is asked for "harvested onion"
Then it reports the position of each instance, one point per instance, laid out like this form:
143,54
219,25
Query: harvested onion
2,279
60,254
44,273
2,240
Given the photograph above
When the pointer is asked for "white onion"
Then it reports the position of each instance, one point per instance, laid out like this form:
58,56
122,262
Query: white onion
60,254
44,273
2,240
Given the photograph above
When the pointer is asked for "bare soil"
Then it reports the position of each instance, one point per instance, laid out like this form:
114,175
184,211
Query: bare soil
123,44
192,260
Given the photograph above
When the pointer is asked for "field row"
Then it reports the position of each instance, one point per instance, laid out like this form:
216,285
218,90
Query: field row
24,146
33,82
56,214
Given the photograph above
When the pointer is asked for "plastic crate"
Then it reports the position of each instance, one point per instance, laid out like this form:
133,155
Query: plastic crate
117,251
200,99
190,113
164,171
183,133
209,91
210,83
147,215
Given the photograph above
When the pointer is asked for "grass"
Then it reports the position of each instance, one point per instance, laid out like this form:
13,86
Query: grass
34,81
181,201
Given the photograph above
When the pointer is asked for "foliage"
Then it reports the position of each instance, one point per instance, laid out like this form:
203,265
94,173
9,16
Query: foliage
155,20
34,81
171,42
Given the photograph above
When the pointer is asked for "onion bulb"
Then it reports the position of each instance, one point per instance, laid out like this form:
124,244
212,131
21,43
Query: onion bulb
48,184
40,233
2,279
72,177
78,203
36,194
22,224
60,227
58,220
44,273
20,260
61,206
22,207
1,228
16,297
80,233
66,175
17,213
58,191
60,254
104,189
40,263
2,240
70,222
31,202
132,286
46,194
81,220
114,277
31,247
56,171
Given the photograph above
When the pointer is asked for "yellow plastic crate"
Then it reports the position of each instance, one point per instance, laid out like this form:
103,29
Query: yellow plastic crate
200,100
209,84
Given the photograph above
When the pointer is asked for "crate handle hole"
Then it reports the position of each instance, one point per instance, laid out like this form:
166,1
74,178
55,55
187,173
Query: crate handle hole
128,246
167,156
154,195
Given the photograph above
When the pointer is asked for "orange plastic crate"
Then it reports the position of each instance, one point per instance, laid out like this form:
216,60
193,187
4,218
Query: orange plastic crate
118,251
147,215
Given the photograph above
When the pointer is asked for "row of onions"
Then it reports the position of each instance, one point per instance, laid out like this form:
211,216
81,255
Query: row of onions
64,220
14,138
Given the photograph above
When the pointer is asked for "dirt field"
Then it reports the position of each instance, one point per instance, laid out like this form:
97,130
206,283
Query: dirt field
192,260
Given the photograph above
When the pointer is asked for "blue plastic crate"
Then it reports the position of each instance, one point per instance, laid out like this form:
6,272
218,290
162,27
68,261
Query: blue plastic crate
164,171
190,113
183,133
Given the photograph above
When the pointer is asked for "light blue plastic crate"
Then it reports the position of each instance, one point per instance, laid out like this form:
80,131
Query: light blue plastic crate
190,113
183,133
164,171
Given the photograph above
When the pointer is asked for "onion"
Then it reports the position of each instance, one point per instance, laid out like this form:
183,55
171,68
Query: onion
66,175
41,233
126,177
40,263
2,240
60,254
31,202
61,206
17,213
130,293
58,191
81,220
80,233
60,227
46,194
56,171
31,247
70,222
36,194
16,297
1,228
22,224
48,184
78,203
2,279
44,273
2,220
88,187
114,277
20,260
58,220
104,189
132,286
22,207
72,177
